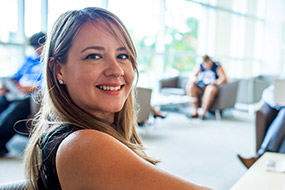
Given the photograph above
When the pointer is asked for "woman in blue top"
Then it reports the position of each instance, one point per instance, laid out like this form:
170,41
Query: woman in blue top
204,82
85,135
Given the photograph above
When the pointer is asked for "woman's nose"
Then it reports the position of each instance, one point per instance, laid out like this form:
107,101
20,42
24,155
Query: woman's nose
113,68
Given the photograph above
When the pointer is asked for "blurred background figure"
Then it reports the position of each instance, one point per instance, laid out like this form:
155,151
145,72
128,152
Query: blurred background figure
274,140
204,84
28,81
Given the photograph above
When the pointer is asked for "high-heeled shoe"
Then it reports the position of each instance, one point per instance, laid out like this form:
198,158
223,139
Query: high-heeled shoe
248,162
160,115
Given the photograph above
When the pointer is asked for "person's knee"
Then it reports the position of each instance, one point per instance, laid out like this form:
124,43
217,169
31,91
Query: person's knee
194,90
211,89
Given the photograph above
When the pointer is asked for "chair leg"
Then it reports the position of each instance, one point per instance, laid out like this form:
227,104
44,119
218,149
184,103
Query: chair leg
218,115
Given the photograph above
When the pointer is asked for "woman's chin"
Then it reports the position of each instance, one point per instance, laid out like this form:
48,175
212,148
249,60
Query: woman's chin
114,109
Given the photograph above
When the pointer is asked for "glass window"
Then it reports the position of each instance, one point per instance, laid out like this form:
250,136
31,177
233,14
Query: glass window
10,59
240,6
56,8
32,17
181,38
260,9
11,40
170,35
9,21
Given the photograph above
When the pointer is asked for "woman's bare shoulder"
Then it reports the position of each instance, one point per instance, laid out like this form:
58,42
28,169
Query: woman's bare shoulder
84,142
89,159
89,156
86,137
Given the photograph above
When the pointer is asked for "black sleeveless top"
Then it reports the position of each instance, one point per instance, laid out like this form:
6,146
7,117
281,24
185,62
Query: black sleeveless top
49,144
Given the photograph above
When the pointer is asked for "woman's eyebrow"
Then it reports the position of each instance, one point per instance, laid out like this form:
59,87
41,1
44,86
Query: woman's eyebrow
121,49
93,47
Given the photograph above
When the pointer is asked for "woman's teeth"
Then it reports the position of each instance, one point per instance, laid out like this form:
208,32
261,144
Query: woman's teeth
110,88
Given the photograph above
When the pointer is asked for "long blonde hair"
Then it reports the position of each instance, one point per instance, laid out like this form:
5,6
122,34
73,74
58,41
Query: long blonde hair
58,108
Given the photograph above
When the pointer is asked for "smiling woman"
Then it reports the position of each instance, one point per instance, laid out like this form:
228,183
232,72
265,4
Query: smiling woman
84,136
98,73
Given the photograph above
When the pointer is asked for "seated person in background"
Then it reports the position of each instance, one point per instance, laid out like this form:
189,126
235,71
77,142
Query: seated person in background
85,136
28,81
205,80
274,140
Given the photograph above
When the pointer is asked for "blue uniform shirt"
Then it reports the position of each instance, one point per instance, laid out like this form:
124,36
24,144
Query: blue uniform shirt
208,76
30,73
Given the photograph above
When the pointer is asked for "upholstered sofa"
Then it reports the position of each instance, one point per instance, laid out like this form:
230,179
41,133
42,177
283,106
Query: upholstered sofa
226,97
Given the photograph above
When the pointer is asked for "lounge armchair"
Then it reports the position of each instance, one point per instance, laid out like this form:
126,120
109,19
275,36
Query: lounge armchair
226,97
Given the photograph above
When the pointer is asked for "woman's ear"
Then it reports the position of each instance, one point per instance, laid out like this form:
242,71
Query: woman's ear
53,64
58,71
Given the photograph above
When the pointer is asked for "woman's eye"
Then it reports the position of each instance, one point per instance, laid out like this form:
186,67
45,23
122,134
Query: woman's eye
123,56
92,56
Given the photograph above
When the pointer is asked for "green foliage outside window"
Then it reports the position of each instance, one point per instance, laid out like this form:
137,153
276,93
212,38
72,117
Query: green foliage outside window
146,52
180,51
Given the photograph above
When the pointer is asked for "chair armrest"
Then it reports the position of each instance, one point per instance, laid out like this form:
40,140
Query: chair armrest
263,119
259,85
250,90
226,97
143,99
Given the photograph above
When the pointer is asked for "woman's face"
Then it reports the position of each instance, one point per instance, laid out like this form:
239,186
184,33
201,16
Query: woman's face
98,73
208,64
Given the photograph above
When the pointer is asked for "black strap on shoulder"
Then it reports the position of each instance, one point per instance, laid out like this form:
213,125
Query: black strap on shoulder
49,144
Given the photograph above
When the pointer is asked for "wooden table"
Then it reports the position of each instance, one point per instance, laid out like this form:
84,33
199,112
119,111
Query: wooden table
258,178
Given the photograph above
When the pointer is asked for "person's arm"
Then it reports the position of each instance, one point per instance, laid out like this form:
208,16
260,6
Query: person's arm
194,77
89,159
222,78
27,89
